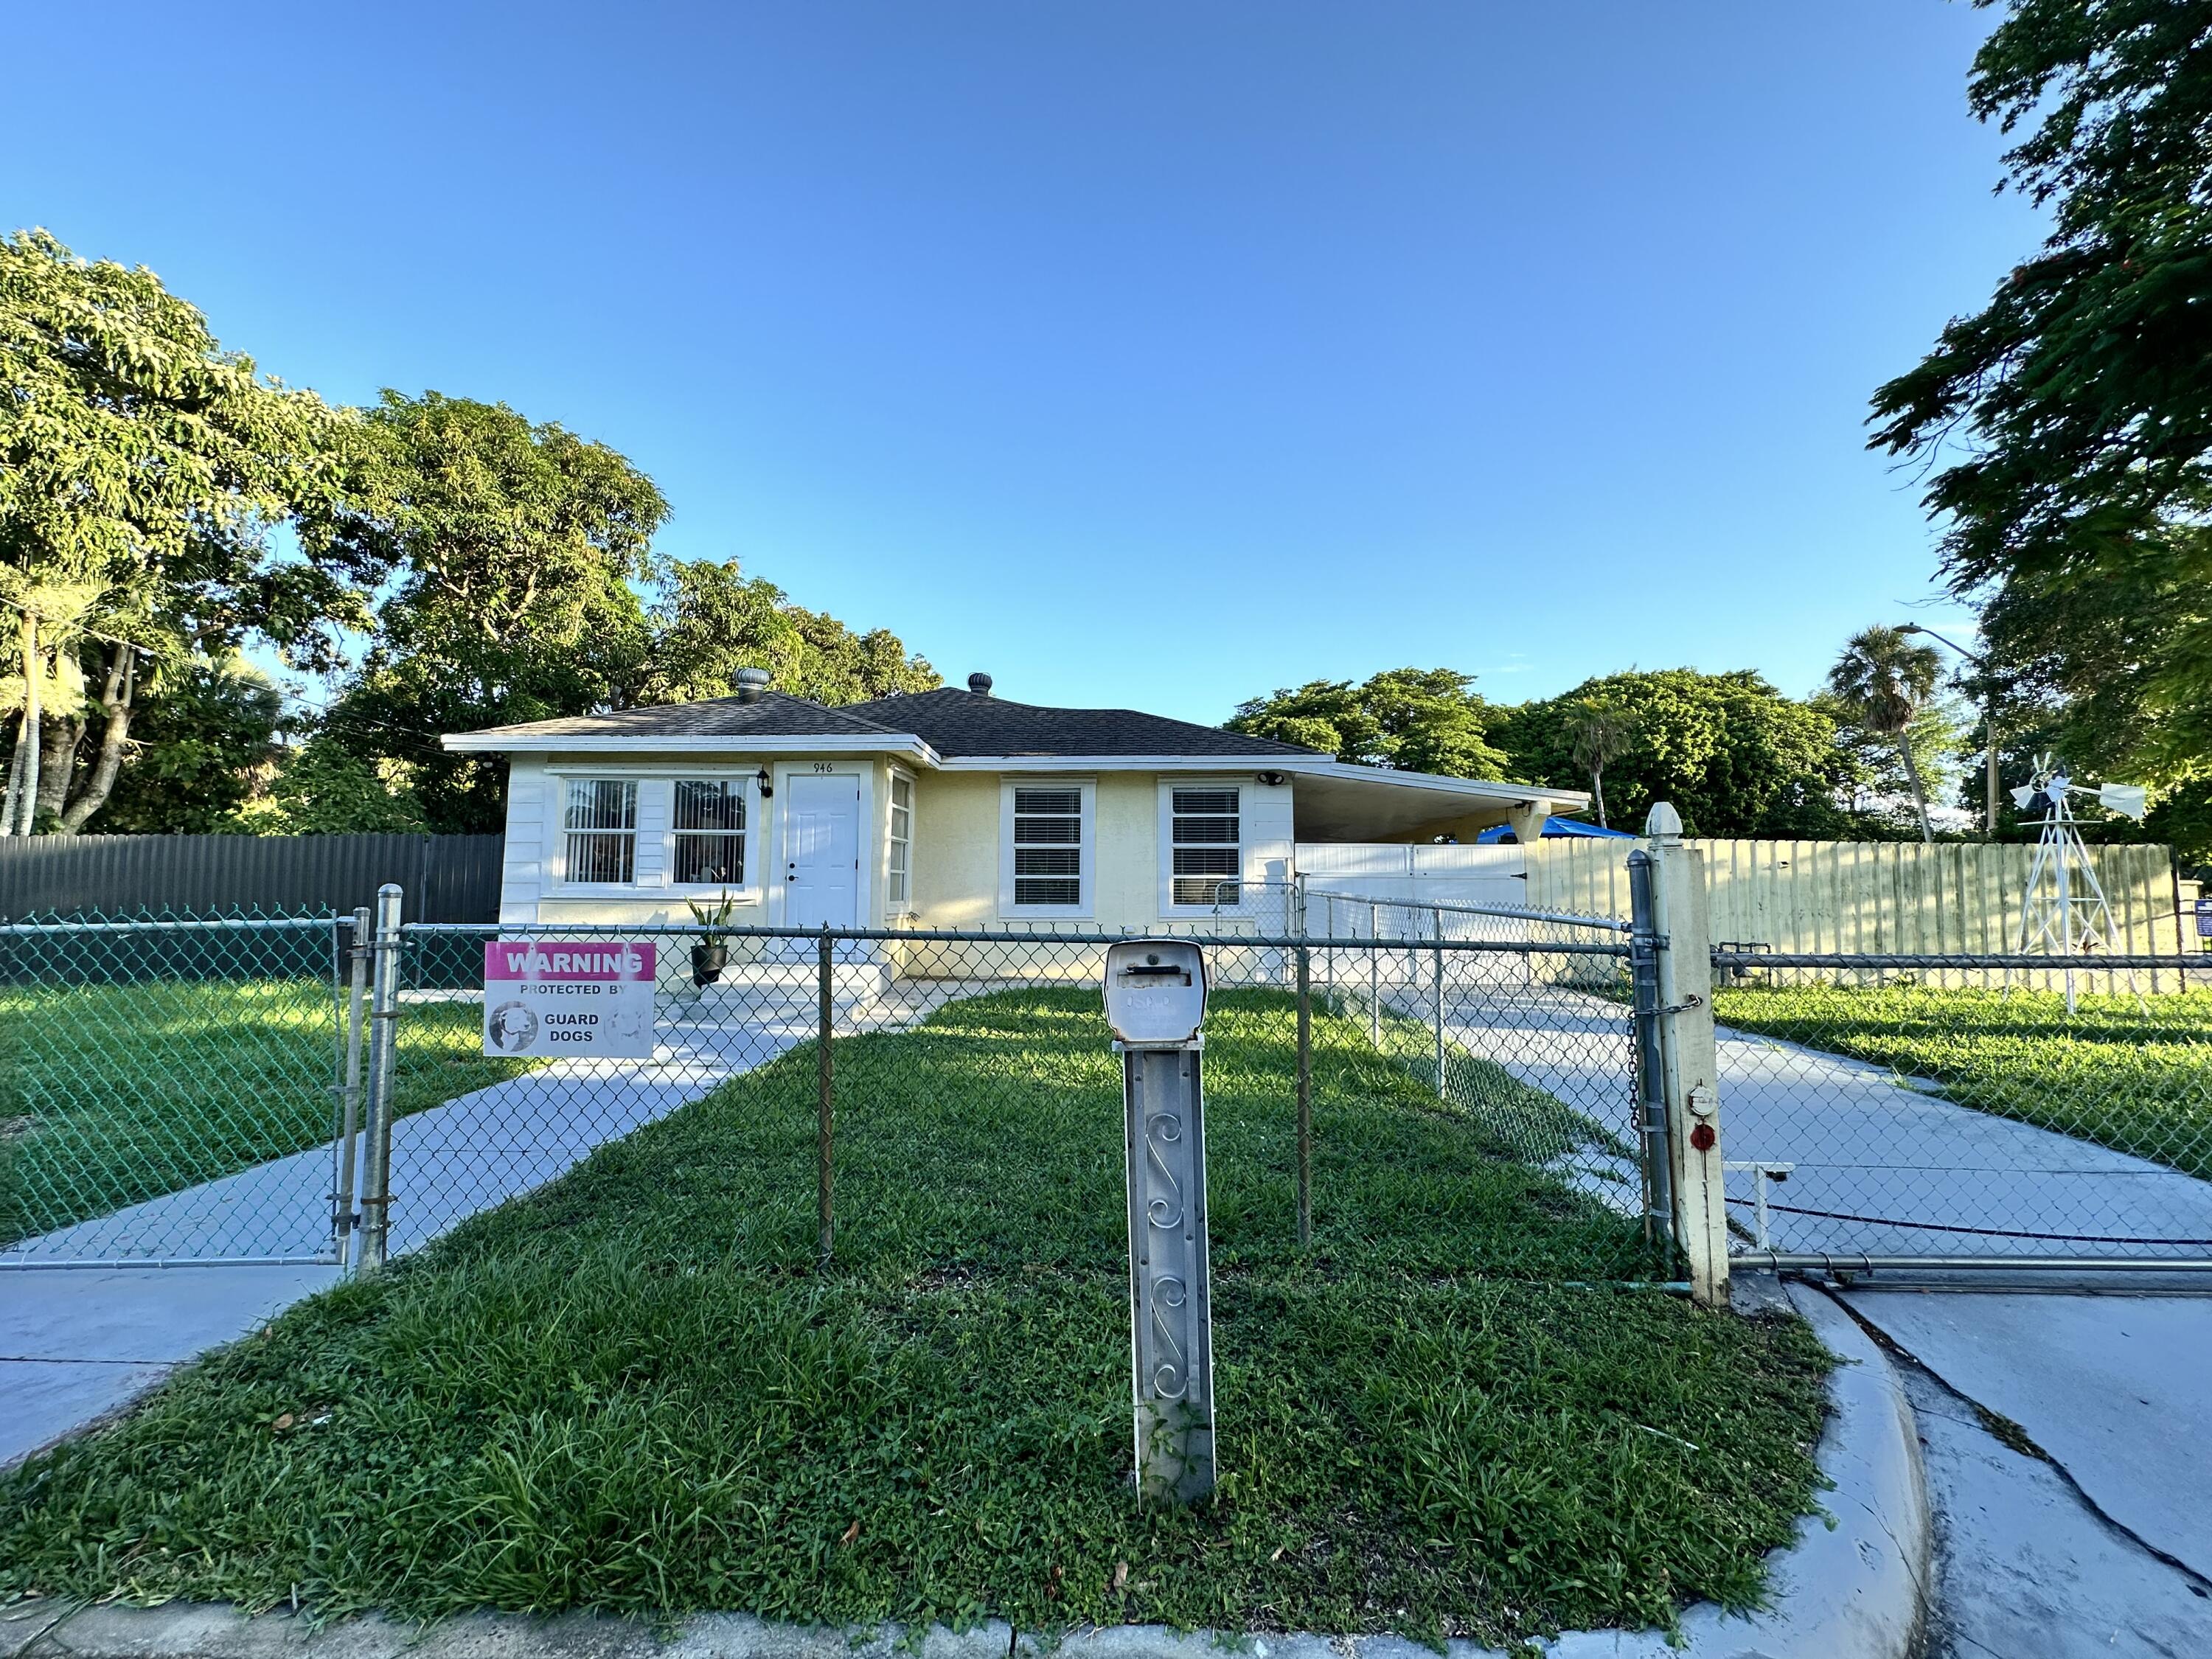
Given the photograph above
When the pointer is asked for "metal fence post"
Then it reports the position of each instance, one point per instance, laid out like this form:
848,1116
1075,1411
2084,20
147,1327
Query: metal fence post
383,1054
1443,1091
1650,1087
1305,1097
1374,978
826,1010
1687,1058
344,1218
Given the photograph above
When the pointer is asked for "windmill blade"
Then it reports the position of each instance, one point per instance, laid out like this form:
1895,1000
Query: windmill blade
2130,800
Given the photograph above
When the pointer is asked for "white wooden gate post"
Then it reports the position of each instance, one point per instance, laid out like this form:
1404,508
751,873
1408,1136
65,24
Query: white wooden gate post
1687,1058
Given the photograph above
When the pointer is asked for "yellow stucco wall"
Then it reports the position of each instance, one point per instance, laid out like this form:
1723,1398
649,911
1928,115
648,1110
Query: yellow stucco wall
955,850
957,847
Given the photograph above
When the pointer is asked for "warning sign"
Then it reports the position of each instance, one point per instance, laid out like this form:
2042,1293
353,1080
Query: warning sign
554,997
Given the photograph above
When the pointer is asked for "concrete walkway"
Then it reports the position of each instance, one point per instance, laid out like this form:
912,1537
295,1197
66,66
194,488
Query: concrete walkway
79,1344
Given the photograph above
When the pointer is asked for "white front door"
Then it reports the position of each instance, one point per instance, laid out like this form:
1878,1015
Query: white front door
821,850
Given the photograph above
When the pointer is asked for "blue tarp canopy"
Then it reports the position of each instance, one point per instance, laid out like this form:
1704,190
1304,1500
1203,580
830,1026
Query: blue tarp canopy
1555,827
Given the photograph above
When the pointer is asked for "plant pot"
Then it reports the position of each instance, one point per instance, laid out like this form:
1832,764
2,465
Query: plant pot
707,962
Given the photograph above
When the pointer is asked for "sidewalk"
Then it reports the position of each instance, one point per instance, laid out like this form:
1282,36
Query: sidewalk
78,1344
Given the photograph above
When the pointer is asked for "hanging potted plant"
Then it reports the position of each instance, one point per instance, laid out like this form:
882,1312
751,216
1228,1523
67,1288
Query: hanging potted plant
712,953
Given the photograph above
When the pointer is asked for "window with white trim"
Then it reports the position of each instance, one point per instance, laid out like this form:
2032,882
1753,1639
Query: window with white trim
1205,843
709,833
598,821
898,889
1047,847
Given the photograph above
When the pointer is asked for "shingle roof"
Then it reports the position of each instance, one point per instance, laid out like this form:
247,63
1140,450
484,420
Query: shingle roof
957,723
953,722
774,715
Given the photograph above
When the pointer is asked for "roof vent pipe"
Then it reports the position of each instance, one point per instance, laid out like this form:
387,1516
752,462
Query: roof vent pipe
980,684
751,682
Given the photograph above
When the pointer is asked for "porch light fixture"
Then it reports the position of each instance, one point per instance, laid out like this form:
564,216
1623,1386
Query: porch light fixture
1273,780
763,782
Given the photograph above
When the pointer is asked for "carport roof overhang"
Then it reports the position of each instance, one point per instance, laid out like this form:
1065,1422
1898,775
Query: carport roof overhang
1333,801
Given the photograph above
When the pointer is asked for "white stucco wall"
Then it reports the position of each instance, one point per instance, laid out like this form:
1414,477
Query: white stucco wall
531,890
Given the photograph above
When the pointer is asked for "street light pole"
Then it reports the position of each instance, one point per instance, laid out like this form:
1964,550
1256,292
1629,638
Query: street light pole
1988,719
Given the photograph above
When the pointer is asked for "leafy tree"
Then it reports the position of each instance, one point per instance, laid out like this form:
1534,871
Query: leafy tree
203,731
2068,423
1885,680
520,552
141,467
515,547
1415,719
710,620
320,789
1734,756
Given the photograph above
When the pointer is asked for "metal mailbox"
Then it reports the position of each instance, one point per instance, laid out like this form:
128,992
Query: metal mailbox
1154,991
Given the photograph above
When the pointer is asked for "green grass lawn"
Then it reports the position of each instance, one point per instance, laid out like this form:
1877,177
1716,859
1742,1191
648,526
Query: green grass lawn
634,1391
2136,1078
110,1094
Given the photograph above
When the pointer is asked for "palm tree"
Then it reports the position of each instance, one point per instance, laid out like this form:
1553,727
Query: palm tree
1885,680
1600,732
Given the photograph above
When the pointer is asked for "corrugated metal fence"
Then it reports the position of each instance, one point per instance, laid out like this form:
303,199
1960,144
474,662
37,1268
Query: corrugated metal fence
446,877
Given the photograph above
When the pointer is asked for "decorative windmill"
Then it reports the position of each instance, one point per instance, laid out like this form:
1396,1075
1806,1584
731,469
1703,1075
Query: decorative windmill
2064,911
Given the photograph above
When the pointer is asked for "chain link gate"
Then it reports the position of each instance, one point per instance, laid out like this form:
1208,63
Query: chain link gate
1949,1113
175,1090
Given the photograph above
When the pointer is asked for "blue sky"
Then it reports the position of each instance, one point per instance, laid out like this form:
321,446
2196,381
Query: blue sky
1139,353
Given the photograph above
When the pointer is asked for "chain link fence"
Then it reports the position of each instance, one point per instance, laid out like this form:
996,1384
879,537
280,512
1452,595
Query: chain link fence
1955,1110
212,1089
193,1089
983,1060
171,1088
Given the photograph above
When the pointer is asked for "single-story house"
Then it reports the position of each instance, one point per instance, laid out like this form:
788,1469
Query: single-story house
950,808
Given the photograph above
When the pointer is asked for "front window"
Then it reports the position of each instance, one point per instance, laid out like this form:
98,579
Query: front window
1205,839
600,821
1048,847
902,839
709,833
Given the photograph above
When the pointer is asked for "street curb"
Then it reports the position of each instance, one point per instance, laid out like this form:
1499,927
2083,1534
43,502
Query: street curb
1852,1590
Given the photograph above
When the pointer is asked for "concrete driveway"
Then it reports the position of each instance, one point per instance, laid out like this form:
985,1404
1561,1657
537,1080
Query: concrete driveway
2068,1462
1881,1165
2067,1436
1885,1165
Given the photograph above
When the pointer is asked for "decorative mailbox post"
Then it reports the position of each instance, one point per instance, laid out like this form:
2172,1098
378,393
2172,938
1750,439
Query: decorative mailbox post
1156,1003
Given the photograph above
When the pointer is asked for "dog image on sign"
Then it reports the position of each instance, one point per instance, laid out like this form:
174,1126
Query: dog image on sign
556,997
